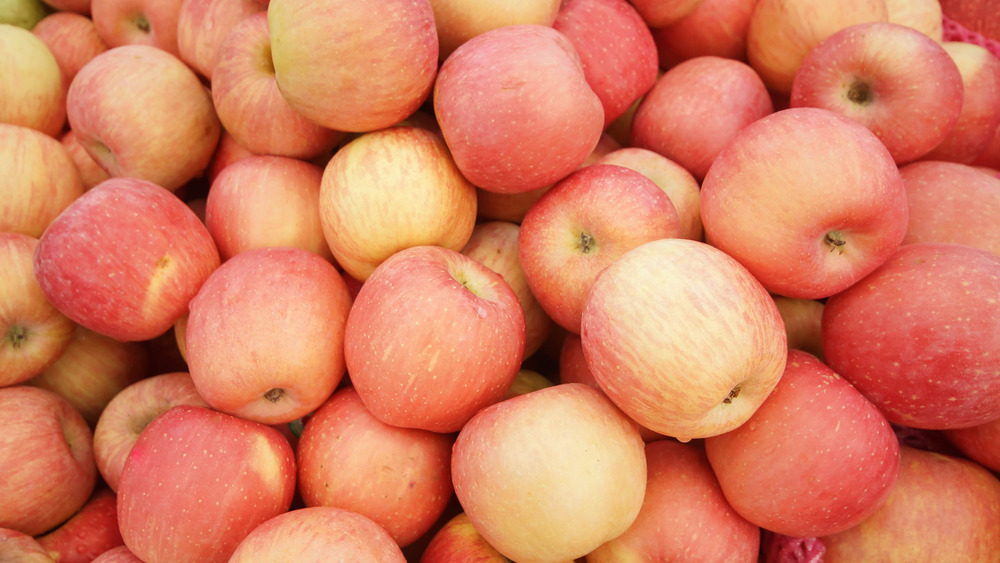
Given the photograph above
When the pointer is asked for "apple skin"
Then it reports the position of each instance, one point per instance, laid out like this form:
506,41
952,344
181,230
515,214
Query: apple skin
39,182
88,533
680,116
227,152
138,22
459,542
716,28
515,108
457,21
264,334
318,533
34,333
266,201
782,32
16,546
494,244
130,411
125,93
250,105
662,13
433,337
33,88
990,158
120,554
202,26
73,40
803,320
400,478
46,458
864,71
107,234
980,116
616,49
550,475
978,443
650,335
92,370
952,202
932,489
917,335
354,67
923,15
90,171
190,458
684,514
583,224
816,220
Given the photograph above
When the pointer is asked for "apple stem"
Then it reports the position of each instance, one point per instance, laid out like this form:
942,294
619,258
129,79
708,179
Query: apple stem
142,23
274,395
733,393
17,336
835,240
860,92
586,242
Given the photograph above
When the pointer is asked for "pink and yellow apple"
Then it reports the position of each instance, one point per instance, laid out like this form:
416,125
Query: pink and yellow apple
457,21
715,28
33,89
138,22
202,26
73,40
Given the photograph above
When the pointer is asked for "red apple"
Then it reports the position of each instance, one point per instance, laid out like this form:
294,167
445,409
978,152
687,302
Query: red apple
40,180
923,15
715,28
459,542
867,73
433,337
138,22
350,66
318,533
73,40
198,481
130,411
696,108
684,514
979,443
661,13
120,554
202,25
651,335
942,508
88,533
266,201
515,108
400,478
457,21
264,334
917,336
806,199
46,458
33,89
18,547
990,158
124,259
977,15
90,171
140,112
250,105
550,475
389,190
227,152
803,319
34,333
583,224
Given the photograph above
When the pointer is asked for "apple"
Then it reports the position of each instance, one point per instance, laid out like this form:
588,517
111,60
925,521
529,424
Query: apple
35,334
318,533
78,6
88,533
401,481
651,335
975,15
457,21
247,99
459,542
834,199
526,381
550,475
952,202
616,49
661,13
684,514
46,458
676,181
393,189
202,25
583,224
266,201
124,259
23,13
682,117
264,334
120,554
803,319
494,245
782,32
90,171
932,490
980,116
33,89
122,96
138,22
866,72
990,158
923,15
130,411
350,66
515,108
715,28
73,40
16,546
433,337
917,336
198,481
227,152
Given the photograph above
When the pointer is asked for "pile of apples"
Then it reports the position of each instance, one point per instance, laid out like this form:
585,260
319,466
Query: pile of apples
550,281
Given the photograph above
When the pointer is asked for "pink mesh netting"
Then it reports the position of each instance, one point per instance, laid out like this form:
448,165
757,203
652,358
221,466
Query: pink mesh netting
954,31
